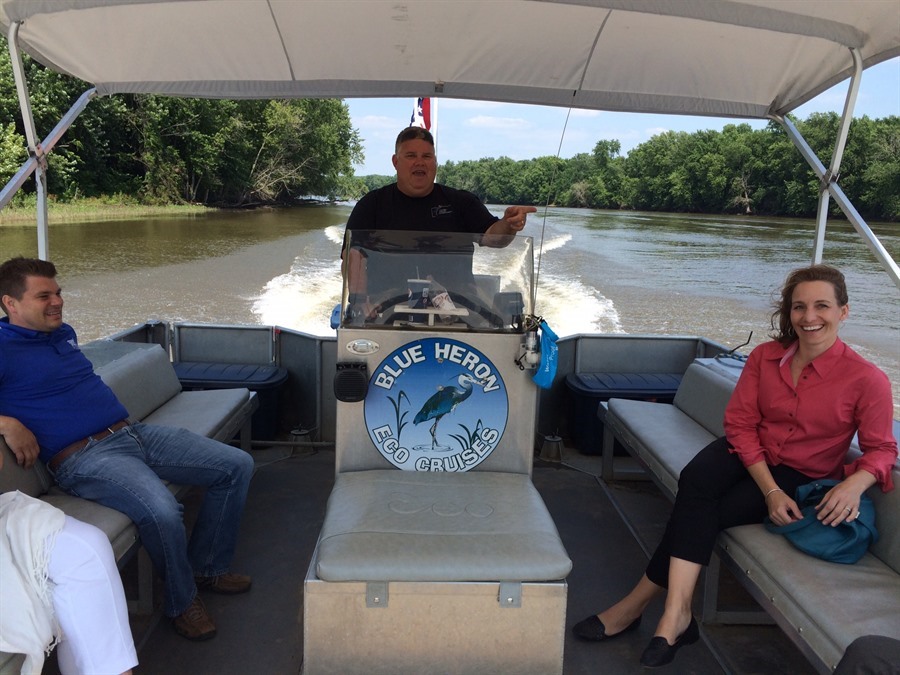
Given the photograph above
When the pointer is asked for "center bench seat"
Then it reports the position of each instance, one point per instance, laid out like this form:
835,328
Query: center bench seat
471,564
394,525
429,571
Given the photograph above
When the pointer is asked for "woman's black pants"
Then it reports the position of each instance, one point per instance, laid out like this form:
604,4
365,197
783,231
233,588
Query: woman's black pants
715,492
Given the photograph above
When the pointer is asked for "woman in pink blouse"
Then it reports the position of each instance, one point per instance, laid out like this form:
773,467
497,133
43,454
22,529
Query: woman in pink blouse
790,420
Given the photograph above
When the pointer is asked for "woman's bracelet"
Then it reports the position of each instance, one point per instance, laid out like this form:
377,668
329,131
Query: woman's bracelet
776,489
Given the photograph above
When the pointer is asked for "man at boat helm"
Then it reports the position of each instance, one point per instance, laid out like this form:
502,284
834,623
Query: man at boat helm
416,202
54,407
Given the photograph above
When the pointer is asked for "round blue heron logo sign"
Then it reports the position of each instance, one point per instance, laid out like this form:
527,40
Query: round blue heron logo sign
436,405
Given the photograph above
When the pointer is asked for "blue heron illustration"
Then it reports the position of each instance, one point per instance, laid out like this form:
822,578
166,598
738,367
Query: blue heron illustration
444,402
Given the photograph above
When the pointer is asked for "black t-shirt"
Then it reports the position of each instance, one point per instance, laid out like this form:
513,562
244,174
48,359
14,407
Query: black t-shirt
446,260
443,210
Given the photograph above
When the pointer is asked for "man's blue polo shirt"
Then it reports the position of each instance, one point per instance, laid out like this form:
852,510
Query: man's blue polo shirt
50,386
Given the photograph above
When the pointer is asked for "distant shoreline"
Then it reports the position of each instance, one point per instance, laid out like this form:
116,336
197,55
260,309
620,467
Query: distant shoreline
92,210
89,210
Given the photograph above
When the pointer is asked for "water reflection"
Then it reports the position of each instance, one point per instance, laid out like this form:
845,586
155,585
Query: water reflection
118,245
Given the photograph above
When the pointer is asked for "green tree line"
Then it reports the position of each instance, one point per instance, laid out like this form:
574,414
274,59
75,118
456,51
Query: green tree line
156,149
736,170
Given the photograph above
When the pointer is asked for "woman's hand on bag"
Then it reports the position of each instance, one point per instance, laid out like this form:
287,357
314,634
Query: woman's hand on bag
841,503
782,509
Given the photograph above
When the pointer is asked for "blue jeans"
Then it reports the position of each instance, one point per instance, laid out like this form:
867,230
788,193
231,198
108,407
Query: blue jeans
123,472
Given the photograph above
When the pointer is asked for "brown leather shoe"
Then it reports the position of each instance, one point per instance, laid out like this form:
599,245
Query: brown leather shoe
194,623
226,584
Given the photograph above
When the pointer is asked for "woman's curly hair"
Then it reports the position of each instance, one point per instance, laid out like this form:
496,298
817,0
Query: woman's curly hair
783,330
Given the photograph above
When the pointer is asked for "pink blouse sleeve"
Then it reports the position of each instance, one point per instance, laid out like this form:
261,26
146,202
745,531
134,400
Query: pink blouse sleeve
874,418
742,414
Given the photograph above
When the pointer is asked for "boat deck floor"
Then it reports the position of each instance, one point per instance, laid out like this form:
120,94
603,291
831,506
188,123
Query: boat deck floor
261,631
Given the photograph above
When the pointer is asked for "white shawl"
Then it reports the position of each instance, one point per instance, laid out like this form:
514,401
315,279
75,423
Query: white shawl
28,529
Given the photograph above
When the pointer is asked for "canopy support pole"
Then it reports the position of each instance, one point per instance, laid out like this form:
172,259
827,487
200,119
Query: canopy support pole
828,180
18,180
834,171
37,152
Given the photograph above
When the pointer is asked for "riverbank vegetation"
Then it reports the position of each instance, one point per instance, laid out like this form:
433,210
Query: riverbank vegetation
154,150
113,207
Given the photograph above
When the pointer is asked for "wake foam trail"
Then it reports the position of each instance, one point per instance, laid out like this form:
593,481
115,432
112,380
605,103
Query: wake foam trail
335,233
303,298
569,307
551,244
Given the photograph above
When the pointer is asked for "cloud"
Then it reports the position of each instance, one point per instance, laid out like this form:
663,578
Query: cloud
581,112
375,122
505,124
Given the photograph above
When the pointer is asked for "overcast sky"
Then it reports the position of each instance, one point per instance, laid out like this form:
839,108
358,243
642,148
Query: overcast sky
476,129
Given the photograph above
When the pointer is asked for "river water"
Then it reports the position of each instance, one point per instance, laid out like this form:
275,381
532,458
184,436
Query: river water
599,271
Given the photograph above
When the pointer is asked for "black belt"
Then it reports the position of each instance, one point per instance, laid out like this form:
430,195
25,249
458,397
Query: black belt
72,448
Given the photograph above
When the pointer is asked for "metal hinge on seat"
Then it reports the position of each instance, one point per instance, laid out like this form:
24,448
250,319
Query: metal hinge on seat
510,594
376,594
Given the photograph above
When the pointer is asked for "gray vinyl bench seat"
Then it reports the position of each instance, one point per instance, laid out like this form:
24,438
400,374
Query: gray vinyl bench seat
821,606
389,525
437,571
663,437
144,380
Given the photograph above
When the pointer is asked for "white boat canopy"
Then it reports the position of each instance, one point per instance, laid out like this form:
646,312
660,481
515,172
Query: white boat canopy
744,59
749,59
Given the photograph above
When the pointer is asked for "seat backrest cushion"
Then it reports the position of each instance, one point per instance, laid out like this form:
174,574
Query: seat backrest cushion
887,510
142,379
887,520
703,395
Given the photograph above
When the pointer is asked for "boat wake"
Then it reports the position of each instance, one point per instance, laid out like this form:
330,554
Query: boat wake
569,307
335,233
551,245
303,298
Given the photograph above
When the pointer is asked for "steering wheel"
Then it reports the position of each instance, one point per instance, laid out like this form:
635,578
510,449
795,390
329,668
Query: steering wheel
479,317
387,309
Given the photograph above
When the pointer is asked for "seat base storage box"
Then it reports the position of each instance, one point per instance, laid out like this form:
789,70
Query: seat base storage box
464,626
263,379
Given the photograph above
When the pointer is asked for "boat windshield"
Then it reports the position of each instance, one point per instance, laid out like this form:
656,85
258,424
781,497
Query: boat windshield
436,280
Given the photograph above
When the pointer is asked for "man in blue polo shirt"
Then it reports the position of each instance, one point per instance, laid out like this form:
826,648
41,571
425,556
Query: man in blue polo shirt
54,407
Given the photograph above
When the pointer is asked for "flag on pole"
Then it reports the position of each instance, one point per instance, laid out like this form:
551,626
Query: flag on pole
421,116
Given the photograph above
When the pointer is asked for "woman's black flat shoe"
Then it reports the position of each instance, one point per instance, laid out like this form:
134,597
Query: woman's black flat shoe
593,630
659,652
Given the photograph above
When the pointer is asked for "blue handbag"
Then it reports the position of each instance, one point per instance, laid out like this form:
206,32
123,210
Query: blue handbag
846,543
